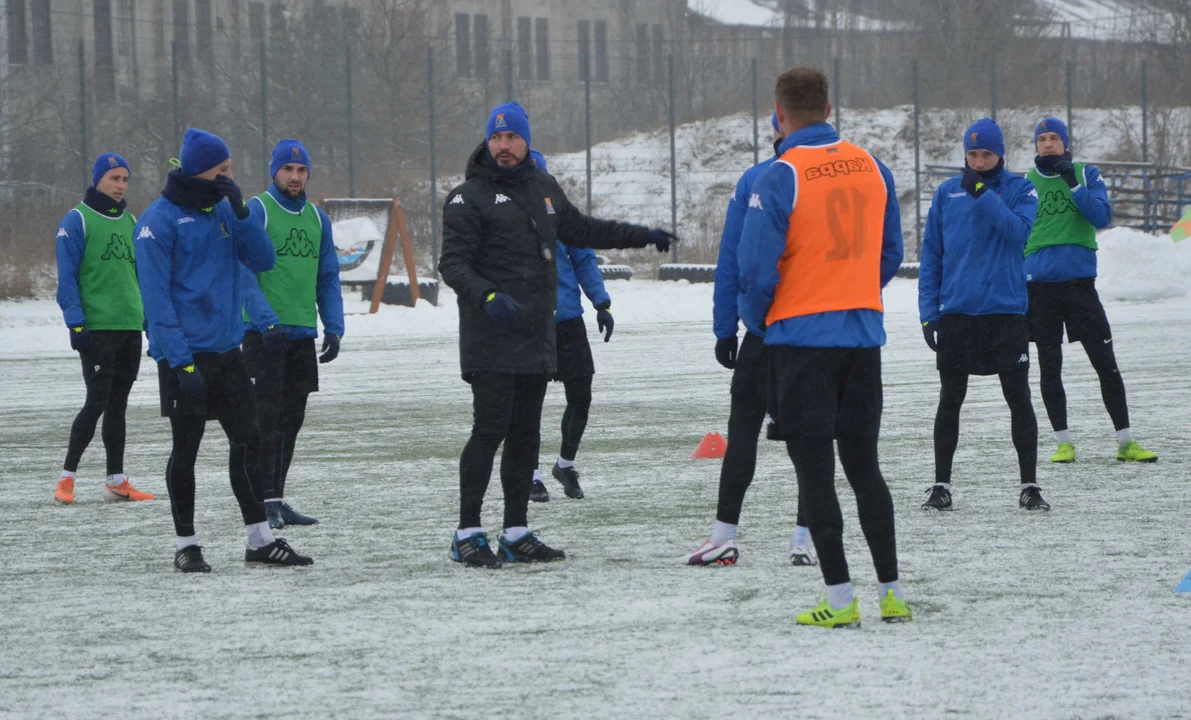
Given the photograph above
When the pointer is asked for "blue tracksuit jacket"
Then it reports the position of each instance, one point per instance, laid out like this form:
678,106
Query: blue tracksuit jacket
724,309
1060,263
577,268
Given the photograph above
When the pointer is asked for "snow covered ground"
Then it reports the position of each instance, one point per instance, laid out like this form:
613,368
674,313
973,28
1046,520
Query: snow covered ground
1067,614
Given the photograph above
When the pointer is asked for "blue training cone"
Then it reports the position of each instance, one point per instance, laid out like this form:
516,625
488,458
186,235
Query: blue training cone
1184,587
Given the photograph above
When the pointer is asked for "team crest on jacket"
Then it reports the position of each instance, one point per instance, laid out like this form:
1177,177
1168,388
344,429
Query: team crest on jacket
223,229
549,207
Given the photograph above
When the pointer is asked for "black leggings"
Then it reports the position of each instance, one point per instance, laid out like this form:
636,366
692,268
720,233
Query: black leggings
814,462
244,441
574,418
1024,425
1112,387
507,408
279,427
109,399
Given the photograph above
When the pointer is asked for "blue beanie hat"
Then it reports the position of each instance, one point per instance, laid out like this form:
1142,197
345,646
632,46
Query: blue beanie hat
773,121
538,160
288,151
985,134
106,162
202,151
1053,125
508,117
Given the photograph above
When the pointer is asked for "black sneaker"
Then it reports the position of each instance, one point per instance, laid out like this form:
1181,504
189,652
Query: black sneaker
529,549
940,498
474,551
277,552
273,515
293,517
538,492
190,559
1031,498
569,477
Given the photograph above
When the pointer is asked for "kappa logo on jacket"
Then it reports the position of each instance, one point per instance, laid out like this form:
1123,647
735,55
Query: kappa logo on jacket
755,201
457,200
500,198
146,234
62,233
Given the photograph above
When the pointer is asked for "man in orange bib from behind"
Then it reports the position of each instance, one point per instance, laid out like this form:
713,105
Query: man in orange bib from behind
821,237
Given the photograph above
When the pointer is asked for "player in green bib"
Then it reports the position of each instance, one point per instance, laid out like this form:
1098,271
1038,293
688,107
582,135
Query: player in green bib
1060,267
281,312
101,303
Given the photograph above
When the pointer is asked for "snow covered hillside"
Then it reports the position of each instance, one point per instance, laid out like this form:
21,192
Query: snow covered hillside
631,176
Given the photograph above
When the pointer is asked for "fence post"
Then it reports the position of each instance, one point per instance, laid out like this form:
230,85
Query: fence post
587,126
351,143
1070,111
917,168
992,85
174,72
673,169
839,106
265,116
509,74
433,159
1145,114
82,114
756,118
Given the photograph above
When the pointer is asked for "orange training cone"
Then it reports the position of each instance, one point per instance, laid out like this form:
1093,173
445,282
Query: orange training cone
712,446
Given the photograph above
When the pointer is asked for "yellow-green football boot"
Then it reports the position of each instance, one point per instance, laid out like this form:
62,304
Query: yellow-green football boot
1065,453
825,616
1132,452
894,610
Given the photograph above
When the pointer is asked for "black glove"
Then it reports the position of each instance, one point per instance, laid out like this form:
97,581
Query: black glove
604,321
190,381
930,330
661,238
725,351
330,348
1064,168
273,339
973,183
1046,163
226,187
502,308
80,338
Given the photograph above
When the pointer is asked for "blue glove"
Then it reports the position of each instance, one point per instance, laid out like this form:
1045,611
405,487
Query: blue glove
604,321
973,183
661,238
725,351
502,308
930,330
226,187
330,348
80,338
190,381
273,339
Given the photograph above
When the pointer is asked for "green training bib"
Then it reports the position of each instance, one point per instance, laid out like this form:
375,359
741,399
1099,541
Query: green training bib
291,287
1059,221
108,286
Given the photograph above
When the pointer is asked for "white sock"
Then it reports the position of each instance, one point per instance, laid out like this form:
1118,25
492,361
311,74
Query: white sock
722,533
185,542
1124,436
537,475
66,474
465,533
945,486
801,536
513,534
566,463
115,480
276,500
884,588
1063,435
259,535
840,596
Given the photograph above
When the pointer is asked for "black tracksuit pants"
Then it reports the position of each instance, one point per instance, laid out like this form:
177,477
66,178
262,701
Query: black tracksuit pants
745,418
1015,386
507,408
282,382
110,368
228,397
1112,387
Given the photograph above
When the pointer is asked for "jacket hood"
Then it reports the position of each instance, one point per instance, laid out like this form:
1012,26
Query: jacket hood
481,164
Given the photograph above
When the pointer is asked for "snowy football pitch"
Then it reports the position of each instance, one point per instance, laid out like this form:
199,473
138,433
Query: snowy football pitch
1065,614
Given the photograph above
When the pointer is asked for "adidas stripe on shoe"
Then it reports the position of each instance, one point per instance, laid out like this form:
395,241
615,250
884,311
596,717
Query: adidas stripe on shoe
277,553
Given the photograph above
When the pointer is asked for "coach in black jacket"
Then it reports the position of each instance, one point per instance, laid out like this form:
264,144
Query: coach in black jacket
499,230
